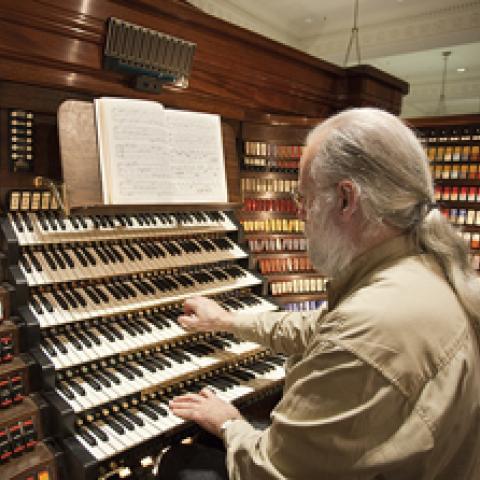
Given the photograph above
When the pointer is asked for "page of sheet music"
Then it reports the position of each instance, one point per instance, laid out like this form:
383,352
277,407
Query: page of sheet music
195,160
151,155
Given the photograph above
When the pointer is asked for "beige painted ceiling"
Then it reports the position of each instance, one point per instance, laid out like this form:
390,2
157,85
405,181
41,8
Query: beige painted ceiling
403,37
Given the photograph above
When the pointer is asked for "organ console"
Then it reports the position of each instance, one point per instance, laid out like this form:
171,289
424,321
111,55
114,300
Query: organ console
90,347
98,296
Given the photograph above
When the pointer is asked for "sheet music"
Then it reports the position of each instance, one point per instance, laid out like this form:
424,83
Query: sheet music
150,155
195,157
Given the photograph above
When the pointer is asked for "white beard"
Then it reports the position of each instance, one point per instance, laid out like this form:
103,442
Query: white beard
329,250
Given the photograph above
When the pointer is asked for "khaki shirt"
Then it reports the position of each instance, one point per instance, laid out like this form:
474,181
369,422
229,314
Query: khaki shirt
384,385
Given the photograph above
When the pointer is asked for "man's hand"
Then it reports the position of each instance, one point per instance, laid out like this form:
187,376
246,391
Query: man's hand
204,315
206,409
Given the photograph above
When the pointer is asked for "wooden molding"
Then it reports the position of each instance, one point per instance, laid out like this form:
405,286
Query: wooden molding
60,44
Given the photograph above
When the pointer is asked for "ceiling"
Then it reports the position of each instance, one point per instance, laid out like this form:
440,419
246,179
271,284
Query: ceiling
403,37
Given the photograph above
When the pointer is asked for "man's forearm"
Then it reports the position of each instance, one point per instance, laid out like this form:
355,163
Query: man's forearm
282,332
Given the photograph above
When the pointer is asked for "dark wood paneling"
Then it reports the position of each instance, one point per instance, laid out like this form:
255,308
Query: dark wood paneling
44,103
446,121
60,44
51,50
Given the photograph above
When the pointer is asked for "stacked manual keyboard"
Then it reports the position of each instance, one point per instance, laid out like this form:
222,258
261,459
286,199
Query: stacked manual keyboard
99,296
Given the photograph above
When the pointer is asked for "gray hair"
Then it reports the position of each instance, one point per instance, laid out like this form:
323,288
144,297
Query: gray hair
388,165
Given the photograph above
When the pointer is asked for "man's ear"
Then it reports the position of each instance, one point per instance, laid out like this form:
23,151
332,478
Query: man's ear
347,194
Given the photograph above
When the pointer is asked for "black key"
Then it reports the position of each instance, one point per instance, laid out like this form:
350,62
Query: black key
125,372
92,295
60,221
108,251
48,259
51,220
90,258
74,222
92,382
100,293
110,221
46,304
114,249
63,388
97,431
134,368
92,336
111,376
127,252
150,413
81,258
157,363
125,422
134,418
101,254
105,332
121,321
102,379
121,220
116,332
83,432
67,257
82,222
36,264
58,258
158,408
25,263
124,292
41,219
60,300
69,298
128,287
83,338
36,306
77,388
48,346
136,252
78,297
116,427
113,291
73,340
162,360
147,365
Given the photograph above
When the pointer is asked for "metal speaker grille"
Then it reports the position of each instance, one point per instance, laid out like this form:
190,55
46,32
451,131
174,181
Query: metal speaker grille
145,51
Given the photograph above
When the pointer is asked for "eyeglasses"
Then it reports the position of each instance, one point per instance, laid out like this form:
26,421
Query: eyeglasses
298,199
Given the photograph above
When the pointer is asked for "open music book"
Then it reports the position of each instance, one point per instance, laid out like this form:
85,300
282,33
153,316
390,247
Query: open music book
153,155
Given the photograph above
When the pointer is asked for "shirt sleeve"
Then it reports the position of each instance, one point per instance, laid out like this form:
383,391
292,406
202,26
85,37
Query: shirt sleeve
335,412
282,332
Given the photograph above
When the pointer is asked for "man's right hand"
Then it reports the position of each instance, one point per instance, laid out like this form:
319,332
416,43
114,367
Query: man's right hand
205,315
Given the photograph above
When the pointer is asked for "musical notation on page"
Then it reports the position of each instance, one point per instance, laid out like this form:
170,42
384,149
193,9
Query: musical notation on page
151,155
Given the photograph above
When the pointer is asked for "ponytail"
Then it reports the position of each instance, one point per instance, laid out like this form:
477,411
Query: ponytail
436,236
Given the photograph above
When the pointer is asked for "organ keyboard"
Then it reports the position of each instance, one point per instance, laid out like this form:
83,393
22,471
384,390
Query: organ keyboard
99,295
49,226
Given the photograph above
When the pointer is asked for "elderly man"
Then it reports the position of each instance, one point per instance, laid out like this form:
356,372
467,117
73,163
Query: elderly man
385,384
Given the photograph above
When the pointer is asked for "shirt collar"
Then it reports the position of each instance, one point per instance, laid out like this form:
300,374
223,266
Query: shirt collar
376,258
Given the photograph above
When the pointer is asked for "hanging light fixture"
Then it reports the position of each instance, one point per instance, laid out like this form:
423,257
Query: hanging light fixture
442,106
353,37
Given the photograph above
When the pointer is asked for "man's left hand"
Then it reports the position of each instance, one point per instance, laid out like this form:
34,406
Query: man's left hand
206,409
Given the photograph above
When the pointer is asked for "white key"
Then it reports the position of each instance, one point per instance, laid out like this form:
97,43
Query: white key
73,403
96,397
95,451
82,400
113,438
150,428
